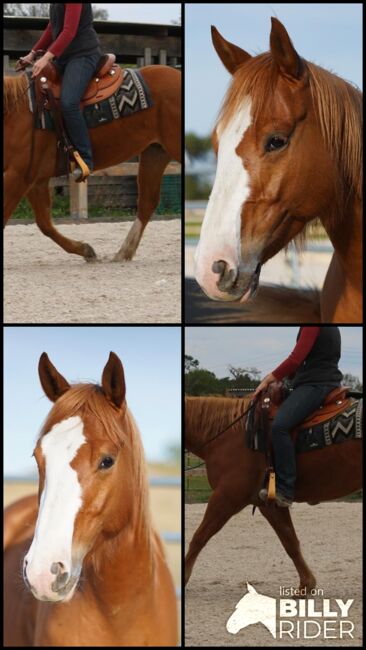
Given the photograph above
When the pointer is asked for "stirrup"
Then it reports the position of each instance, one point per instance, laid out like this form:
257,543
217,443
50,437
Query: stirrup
79,165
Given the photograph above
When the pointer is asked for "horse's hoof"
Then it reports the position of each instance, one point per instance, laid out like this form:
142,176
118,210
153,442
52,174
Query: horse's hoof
122,257
89,254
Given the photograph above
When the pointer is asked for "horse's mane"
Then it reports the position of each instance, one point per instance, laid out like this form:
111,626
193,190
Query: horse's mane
14,95
119,426
206,416
338,105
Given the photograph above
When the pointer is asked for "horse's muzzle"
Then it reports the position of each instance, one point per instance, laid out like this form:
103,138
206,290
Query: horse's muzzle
235,284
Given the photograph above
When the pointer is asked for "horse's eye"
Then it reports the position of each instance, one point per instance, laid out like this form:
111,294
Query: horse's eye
275,142
106,463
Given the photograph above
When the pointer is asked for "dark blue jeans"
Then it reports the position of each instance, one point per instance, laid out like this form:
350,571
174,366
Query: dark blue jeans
77,73
301,402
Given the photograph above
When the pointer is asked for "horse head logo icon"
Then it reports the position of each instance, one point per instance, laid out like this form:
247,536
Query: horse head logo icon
253,608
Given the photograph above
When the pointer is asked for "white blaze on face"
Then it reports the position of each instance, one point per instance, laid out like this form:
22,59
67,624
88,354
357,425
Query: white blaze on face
220,232
60,502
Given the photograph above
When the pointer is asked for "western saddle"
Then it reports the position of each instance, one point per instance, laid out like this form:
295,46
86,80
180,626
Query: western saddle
106,81
108,78
266,408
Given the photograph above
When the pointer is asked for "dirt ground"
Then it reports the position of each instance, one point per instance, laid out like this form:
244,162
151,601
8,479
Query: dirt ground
247,549
44,284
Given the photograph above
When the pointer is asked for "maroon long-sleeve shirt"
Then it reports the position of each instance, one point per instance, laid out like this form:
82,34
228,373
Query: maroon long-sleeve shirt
71,24
307,338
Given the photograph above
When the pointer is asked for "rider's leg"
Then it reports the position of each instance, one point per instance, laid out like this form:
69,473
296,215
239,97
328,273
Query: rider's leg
301,402
77,75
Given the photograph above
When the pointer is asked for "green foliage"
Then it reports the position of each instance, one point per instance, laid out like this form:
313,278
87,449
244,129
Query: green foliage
197,146
196,189
202,382
190,363
199,381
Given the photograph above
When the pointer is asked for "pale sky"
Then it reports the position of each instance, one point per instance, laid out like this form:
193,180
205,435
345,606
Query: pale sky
327,34
140,12
262,347
151,357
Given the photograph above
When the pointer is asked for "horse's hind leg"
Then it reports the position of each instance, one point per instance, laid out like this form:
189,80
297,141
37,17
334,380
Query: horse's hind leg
218,512
153,161
39,197
281,522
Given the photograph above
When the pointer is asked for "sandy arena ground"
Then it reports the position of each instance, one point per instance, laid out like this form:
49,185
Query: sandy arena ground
247,549
44,284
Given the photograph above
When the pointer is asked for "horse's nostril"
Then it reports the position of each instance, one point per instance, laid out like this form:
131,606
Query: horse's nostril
219,266
227,277
57,567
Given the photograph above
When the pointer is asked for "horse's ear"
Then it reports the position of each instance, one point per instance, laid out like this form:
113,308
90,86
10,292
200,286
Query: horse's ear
231,55
291,65
113,380
251,589
53,384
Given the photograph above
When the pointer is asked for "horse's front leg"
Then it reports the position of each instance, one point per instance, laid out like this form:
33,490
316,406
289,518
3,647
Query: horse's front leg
39,197
218,512
281,522
153,162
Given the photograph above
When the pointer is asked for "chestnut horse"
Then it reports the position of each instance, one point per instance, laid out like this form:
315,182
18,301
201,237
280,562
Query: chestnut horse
93,564
154,133
289,150
236,474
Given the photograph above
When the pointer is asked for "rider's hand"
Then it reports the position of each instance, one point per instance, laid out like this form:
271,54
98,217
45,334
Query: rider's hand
41,63
29,58
264,383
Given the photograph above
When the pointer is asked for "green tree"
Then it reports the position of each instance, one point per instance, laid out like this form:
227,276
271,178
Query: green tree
190,363
196,189
352,381
197,146
202,382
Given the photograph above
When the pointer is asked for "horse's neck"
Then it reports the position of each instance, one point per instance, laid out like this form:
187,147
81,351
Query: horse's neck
209,422
122,566
346,237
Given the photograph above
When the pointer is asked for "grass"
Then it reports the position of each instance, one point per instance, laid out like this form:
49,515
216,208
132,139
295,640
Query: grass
197,488
61,206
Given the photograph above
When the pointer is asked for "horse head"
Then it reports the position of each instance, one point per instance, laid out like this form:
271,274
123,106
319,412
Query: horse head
85,455
275,172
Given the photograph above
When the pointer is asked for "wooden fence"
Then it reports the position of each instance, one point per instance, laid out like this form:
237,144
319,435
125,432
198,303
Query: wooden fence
79,191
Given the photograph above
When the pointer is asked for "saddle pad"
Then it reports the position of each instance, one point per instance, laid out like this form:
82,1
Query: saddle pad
344,426
131,97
